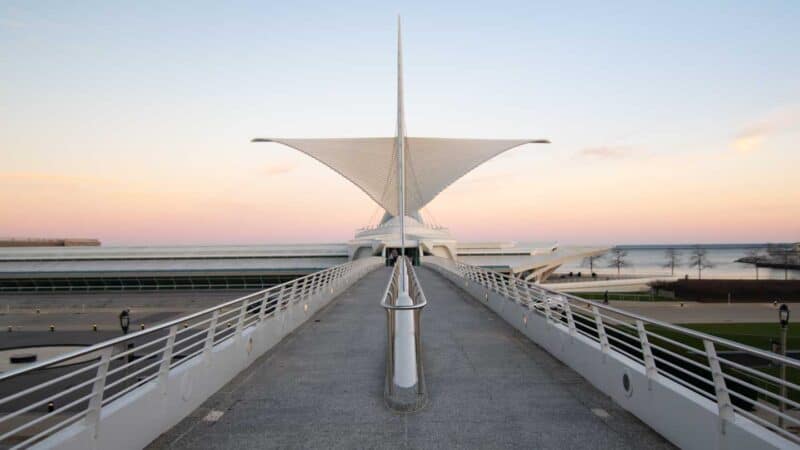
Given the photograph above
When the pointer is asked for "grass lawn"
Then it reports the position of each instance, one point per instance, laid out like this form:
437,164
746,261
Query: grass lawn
753,334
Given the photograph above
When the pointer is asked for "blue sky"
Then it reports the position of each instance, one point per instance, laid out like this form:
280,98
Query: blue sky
160,95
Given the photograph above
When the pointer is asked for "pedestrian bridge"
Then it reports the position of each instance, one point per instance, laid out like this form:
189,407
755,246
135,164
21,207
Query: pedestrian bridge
303,364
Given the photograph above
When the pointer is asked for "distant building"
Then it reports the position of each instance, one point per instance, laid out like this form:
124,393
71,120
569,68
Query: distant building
44,242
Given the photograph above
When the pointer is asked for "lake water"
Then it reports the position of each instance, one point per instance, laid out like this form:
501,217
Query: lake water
650,259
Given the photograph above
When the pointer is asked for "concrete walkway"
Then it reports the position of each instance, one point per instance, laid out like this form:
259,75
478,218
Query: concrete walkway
322,387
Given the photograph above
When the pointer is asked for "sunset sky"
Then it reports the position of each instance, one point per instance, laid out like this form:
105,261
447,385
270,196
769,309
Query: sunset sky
671,122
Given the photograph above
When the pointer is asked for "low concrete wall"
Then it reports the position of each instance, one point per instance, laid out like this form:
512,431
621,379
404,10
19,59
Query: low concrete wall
136,419
685,418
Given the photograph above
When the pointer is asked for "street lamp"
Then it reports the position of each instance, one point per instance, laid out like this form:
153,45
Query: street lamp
783,316
124,320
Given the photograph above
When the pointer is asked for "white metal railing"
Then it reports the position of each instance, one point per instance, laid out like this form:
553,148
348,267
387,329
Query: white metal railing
403,301
43,398
718,369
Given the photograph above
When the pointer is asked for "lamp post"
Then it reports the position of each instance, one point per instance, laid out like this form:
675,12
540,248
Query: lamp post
783,316
124,320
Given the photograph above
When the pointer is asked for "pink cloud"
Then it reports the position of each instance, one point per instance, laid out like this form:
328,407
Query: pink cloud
753,136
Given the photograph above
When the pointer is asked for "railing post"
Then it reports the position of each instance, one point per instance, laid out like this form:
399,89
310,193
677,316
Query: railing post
724,404
279,303
96,400
647,354
547,313
301,288
515,290
327,279
601,330
297,290
570,319
240,321
314,284
166,359
262,312
212,329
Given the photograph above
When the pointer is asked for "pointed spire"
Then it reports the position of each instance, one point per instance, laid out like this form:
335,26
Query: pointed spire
401,119
401,143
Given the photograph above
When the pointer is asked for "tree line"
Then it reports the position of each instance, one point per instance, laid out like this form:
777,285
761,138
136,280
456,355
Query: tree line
618,258
697,258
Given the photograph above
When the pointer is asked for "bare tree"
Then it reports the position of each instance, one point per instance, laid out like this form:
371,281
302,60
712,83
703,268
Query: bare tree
673,258
755,256
699,259
592,260
618,259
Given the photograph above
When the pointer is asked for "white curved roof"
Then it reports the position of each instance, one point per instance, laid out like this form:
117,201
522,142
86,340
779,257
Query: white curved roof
431,164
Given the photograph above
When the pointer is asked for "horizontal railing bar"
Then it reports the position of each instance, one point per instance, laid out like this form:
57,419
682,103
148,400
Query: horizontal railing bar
686,347
764,407
41,418
131,350
771,378
47,400
128,376
73,418
127,389
141,333
681,357
766,424
692,387
245,312
40,386
622,313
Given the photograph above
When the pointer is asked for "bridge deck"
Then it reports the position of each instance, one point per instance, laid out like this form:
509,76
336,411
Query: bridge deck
489,387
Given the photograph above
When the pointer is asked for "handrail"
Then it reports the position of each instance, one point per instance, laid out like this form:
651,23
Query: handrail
101,373
735,388
407,392
621,312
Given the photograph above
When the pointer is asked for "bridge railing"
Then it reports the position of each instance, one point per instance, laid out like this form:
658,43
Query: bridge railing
41,399
741,381
403,301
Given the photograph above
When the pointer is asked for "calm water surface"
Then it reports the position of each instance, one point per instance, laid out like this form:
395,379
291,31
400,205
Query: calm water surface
650,259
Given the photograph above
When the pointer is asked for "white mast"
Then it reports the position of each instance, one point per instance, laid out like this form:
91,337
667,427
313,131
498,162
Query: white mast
401,143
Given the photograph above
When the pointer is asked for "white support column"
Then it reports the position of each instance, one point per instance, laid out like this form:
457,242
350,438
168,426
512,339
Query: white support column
601,330
96,400
724,405
405,358
647,354
166,359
